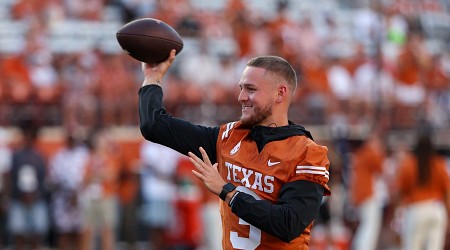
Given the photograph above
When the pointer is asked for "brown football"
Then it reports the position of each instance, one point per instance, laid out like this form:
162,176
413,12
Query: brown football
149,40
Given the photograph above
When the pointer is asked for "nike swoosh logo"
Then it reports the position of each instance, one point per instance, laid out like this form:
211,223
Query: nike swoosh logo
270,164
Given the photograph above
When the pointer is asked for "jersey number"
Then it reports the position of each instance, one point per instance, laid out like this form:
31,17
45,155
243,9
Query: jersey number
250,243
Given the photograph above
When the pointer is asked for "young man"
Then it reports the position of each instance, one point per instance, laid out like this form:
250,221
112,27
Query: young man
268,171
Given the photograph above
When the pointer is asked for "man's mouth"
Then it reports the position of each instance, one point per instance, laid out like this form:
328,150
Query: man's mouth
244,107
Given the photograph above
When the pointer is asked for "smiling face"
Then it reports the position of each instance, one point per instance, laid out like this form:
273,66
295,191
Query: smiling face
257,97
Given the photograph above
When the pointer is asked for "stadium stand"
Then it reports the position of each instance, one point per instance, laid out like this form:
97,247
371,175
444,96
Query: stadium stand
372,64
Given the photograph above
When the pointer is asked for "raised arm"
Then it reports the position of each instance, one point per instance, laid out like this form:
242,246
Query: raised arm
160,127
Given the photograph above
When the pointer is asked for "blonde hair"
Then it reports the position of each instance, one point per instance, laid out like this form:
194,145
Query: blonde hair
277,66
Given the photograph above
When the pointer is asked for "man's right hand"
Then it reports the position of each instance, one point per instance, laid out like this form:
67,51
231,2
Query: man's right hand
153,73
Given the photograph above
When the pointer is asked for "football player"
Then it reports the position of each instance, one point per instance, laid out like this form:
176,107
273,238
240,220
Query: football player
268,171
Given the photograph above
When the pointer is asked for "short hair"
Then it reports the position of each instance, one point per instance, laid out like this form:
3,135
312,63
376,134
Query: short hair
277,66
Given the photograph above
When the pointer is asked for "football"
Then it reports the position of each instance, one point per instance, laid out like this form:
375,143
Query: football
149,40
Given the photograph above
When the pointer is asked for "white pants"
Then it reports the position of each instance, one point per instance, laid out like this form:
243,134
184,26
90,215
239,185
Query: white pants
212,225
425,226
370,220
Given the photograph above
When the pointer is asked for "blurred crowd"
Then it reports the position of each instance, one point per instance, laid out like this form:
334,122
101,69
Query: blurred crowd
363,66
358,61
95,194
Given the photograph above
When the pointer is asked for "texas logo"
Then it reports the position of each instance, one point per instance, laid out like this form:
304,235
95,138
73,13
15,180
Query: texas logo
249,178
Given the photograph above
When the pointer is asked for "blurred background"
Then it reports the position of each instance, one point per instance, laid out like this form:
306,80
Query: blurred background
76,173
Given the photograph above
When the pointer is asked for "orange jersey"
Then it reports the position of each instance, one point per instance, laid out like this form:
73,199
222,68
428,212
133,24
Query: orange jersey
412,192
280,162
367,165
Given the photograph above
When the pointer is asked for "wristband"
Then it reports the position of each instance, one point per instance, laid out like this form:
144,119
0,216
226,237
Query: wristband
226,189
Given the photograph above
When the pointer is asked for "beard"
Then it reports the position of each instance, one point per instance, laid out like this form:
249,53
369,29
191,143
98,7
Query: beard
258,116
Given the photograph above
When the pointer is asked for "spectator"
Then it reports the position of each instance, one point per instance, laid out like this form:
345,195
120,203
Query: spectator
373,86
367,170
47,86
200,71
212,229
437,81
66,170
316,93
342,88
129,199
187,232
112,87
236,16
80,79
18,87
423,185
159,191
28,220
286,36
308,39
409,71
100,192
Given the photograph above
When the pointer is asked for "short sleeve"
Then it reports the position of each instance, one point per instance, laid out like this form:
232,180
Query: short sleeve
314,167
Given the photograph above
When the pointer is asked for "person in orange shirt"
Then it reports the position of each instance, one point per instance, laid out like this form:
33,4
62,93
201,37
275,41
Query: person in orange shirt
188,234
423,185
367,168
100,192
409,75
269,173
241,26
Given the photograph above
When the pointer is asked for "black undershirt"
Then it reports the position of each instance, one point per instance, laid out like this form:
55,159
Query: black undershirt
298,202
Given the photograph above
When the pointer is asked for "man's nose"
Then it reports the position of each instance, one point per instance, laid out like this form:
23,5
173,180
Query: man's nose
242,96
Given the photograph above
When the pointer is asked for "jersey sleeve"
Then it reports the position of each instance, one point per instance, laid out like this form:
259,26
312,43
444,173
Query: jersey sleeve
314,167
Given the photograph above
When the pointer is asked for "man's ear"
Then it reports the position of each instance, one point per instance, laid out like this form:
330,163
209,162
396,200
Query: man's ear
282,93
